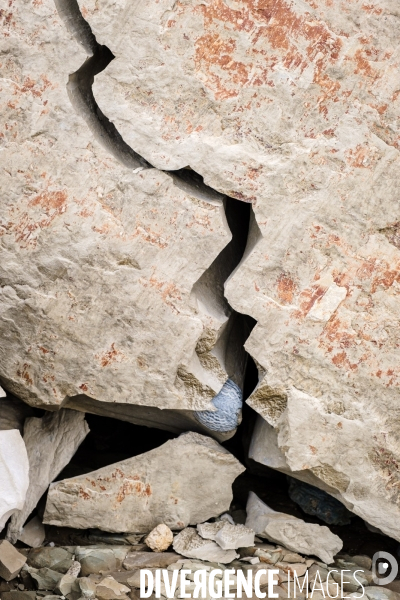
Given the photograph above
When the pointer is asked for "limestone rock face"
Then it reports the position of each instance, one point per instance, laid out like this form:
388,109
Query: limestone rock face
185,481
293,533
50,442
294,107
290,105
98,259
14,474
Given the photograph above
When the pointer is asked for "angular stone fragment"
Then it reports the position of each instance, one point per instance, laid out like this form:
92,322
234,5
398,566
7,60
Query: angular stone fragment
11,561
57,559
51,442
185,481
14,474
188,543
110,589
98,559
87,587
45,578
160,538
227,536
33,533
293,533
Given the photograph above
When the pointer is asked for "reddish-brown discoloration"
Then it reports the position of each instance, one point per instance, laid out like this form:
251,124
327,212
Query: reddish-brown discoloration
26,222
169,292
111,356
266,23
286,288
308,298
24,374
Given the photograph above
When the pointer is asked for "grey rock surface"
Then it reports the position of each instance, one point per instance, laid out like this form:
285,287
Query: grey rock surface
185,481
11,561
51,442
100,559
293,533
57,559
149,560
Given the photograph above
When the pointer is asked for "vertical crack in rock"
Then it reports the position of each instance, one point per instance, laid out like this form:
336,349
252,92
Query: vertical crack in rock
209,293
221,348
80,92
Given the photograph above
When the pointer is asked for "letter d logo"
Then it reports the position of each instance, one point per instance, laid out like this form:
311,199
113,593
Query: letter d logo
383,564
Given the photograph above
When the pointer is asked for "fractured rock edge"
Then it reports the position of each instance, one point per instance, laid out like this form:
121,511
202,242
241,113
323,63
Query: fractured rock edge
161,485
233,360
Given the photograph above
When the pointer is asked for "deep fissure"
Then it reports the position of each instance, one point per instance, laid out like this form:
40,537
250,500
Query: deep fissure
209,289
209,294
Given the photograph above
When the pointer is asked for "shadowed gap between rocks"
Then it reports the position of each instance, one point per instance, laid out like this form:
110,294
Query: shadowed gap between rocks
209,289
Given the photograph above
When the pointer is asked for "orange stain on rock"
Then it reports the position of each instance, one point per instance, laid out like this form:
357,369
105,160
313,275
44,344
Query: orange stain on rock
111,356
286,288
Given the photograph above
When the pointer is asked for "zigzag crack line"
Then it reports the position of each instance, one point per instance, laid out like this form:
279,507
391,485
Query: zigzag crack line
209,289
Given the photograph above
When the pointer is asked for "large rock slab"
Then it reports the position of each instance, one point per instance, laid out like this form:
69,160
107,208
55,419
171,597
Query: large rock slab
294,107
98,255
50,442
293,533
185,481
14,474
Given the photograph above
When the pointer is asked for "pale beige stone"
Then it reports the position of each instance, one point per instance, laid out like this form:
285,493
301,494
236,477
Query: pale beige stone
190,544
160,538
283,105
33,533
293,533
184,481
105,321
11,561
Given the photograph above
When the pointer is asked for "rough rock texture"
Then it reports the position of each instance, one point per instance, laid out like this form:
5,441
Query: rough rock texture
290,105
190,544
11,561
160,538
98,260
294,107
293,533
50,442
227,535
14,474
185,481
